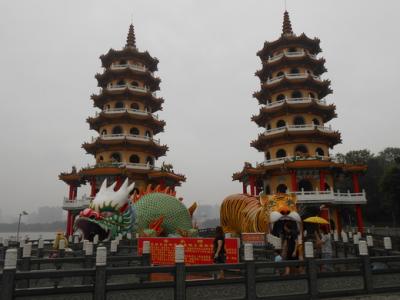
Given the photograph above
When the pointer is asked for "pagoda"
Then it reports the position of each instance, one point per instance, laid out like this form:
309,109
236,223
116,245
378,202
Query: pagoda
296,140
126,146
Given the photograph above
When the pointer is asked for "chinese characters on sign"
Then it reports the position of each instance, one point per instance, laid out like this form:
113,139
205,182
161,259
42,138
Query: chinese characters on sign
197,250
256,238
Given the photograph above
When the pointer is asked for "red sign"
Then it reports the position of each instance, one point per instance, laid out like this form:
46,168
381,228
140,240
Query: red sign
255,238
197,250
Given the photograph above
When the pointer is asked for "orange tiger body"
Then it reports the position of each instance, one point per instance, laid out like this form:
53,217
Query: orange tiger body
243,213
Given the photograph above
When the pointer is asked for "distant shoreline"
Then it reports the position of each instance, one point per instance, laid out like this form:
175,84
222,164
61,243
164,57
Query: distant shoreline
33,227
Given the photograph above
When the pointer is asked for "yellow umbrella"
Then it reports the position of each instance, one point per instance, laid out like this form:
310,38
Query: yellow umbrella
316,220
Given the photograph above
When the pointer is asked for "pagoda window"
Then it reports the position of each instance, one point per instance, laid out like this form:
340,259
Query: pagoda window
280,97
299,120
292,49
316,121
267,190
101,158
121,82
268,156
327,187
104,132
268,126
135,106
148,133
115,157
300,150
122,62
305,185
150,161
134,131
280,123
282,188
312,95
294,71
119,104
319,152
297,94
134,83
280,153
147,109
280,74
117,130
134,159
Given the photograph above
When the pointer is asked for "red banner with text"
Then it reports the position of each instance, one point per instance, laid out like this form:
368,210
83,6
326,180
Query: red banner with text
197,250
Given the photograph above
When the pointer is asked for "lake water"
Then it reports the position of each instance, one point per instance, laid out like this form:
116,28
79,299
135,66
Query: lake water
32,235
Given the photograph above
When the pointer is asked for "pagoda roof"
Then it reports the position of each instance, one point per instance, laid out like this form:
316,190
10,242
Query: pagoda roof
290,40
147,98
331,138
316,65
146,119
326,112
116,74
109,169
100,145
321,87
305,163
129,53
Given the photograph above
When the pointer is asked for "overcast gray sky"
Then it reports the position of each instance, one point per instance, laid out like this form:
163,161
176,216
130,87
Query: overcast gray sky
207,50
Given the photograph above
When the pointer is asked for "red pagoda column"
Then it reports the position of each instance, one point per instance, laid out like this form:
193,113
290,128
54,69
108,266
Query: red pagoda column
356,187
244,188
293,180
71,196
324,213
118,179
93,187
322,180
252,185
338,220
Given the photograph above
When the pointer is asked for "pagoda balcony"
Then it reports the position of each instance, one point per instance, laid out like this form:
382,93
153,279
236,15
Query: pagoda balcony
319,197
128,110
295,101
122,136
136,166
292,76
290,54
130,66
122,87
282,160
76,204
305,127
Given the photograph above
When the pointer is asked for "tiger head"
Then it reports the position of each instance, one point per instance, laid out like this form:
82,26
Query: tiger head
281,209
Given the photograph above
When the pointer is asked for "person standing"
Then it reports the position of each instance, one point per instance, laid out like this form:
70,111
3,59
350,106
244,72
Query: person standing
219,248
325,243
289,244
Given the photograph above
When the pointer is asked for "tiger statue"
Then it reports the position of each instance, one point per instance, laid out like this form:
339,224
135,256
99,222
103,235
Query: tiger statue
244,213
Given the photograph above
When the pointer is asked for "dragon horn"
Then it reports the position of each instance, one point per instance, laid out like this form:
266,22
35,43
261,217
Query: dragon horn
112,187
166,190
148,189
131,186
158,188
103,186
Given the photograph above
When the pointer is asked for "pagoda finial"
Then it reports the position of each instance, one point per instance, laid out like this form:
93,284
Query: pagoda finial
287,26
131,40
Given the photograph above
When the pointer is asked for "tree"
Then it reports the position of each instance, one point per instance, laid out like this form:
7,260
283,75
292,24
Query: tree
390,188
390,154
359,157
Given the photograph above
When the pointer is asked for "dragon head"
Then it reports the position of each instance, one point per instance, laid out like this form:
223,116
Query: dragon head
282,209
109,214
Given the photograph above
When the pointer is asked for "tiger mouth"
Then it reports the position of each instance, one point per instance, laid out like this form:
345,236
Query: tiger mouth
277,221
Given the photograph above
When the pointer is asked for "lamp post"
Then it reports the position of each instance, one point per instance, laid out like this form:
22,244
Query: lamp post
23,213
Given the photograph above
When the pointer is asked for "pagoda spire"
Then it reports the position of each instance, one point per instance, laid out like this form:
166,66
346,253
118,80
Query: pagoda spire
287,26
131,40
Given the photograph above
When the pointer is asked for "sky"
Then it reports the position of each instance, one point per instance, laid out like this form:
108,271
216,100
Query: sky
49,54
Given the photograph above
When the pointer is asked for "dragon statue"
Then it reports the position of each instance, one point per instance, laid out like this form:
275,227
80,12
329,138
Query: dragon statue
244,213
153,212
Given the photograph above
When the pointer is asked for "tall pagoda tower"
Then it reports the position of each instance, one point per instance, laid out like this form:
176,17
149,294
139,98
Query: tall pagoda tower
126,145
297,139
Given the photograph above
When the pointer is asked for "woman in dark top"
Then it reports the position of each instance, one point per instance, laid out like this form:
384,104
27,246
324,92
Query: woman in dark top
290,243
219,246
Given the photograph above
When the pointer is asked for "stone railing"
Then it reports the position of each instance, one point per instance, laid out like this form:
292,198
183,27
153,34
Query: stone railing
295,101
120,136
290,54
330,197
281,160
76,203
304,127
128,110
292,76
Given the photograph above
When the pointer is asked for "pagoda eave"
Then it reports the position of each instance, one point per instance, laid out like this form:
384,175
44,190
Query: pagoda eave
127,118
327,112
316,65
331,138
152,101
286,41
127,53
110,74
321,87
124,144
72,178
